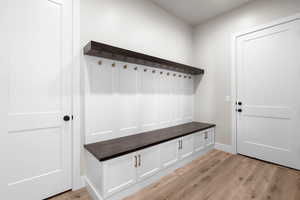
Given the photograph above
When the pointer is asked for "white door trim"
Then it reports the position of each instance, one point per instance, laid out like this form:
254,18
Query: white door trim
77,181
234,72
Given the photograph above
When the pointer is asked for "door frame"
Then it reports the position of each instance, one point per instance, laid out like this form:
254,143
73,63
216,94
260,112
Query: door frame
77,178
234,74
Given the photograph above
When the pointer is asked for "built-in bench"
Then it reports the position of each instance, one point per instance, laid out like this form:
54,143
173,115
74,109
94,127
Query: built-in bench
114,167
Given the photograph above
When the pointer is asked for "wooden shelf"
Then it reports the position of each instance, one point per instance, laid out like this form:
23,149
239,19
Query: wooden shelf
106,51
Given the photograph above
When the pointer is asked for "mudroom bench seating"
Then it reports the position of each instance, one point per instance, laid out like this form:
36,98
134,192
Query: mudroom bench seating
114,167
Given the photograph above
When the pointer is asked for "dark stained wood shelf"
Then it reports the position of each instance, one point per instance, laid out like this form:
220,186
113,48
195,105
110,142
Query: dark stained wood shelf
106,51
117,147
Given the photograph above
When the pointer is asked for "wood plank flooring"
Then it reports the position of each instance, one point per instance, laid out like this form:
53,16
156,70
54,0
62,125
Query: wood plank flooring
218,176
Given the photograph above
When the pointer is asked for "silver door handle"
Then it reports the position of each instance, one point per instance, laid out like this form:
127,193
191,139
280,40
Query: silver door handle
135,162
140,160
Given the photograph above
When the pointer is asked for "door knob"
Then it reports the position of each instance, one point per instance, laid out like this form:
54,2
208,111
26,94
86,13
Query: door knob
67,118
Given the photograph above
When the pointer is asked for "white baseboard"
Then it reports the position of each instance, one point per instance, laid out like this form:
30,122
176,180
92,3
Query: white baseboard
81,184
92,190
225,147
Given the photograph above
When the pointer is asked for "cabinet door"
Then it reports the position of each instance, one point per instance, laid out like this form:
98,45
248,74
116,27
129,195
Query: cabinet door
199,141
187,146
148,162
209,137
119,173
169,153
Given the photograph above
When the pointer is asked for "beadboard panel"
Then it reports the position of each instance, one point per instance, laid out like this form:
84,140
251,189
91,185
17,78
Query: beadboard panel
122,99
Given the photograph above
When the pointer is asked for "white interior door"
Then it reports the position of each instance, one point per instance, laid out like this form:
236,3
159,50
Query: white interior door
38,56
268,67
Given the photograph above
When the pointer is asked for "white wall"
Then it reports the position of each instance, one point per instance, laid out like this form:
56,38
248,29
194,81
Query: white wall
137,25
212,50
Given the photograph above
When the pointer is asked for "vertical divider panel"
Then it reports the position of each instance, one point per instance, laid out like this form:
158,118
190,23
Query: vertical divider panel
181,100
188,99
128,99
148,100
164,99
100,100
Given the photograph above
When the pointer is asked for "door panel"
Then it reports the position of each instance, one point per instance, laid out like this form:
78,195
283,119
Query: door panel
169,153
268,81
187,146
120,173
209,137
199,141
149,162
39,58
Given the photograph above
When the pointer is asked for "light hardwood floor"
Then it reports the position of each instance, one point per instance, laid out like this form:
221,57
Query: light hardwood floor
218,176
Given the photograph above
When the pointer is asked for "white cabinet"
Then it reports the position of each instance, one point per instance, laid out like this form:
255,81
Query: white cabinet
119,173
113,176
209,137
169,153
186,146
148,162
199,141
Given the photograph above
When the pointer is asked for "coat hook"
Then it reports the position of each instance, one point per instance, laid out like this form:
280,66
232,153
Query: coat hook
184,76
113,65
100,62
179,75
153,71
168,73
145,70
174,74
190,77
161,72
125,67
135,68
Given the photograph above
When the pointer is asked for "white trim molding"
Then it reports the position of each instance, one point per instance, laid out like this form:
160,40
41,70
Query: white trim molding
77,180
225,147
234,72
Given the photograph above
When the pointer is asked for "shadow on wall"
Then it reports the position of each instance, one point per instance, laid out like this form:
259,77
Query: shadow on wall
197,80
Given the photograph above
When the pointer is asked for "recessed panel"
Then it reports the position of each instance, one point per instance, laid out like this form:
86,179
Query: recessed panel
128,98
100,97
164,99
35,68
148,100
271,132
34,153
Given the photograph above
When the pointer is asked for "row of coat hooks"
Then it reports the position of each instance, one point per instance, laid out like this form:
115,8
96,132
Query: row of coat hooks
145,70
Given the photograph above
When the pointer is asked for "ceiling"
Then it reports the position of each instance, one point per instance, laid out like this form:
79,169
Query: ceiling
197,11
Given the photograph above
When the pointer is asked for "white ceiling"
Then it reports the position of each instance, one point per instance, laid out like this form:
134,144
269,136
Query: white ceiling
197,11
